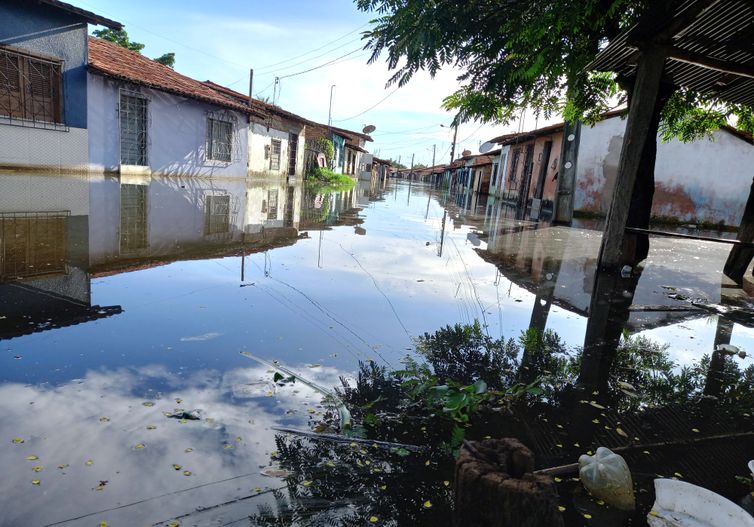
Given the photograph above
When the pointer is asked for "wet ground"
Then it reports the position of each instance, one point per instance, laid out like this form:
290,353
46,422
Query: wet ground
123,301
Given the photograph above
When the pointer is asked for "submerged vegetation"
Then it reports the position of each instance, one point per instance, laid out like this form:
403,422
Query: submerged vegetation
462,384
329,180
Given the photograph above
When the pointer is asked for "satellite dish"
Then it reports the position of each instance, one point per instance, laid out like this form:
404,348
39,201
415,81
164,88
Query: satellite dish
369,129
486,147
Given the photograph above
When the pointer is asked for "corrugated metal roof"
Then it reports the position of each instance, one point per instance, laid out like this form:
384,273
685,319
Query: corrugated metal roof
722,31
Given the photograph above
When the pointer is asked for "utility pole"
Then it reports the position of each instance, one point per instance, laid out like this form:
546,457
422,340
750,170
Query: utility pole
453,146
251,86
329,112
410,179
434,150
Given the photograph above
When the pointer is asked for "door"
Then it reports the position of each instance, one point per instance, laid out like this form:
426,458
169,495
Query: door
133,130
292,153
523,196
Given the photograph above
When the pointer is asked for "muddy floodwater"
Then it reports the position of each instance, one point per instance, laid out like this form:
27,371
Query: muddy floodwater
126,304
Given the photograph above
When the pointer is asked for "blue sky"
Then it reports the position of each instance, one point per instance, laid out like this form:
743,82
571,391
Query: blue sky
221,40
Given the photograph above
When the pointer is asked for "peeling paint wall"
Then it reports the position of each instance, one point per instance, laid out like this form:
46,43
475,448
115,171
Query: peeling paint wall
707,180
260,141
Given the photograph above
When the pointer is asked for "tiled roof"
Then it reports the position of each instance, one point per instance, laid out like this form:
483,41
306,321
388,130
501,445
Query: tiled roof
120,63
256,103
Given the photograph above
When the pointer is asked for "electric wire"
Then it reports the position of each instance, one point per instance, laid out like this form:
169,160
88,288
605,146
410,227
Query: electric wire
368,109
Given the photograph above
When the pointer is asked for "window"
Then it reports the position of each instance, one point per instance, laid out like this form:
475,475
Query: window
30,87
32,244
217,215
133,130
272,204
275,150
133,218
219,139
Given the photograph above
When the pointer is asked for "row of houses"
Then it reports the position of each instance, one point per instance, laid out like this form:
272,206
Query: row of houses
574,166
73,102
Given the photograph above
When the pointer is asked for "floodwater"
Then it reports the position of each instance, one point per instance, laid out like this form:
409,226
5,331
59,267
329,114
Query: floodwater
124,300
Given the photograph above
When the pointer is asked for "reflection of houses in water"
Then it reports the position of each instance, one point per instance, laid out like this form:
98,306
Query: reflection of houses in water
44,254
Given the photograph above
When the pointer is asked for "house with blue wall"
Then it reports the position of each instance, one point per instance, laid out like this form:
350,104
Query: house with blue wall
43,84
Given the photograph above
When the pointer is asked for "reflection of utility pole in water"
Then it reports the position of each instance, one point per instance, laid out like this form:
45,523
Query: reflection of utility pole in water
543,299
410,180
442,234
429,197
319,250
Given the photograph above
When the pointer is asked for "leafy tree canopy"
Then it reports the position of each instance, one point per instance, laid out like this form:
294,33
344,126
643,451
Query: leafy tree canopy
519,54
168,59
120,37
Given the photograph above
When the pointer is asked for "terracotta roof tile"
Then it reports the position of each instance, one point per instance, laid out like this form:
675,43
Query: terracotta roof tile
118,62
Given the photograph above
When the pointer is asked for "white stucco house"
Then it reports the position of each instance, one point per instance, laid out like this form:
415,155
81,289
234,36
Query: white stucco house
145,118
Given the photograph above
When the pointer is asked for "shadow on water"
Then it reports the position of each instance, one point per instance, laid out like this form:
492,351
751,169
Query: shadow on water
122,298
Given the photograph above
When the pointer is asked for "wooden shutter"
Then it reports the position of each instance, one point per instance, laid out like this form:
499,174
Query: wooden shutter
10,85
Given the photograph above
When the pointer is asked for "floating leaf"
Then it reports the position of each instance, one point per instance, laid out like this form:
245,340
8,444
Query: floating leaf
238,439
588,516
561,508
32,458
63,466
139,446
177,467
35,482
178,400
446,483
596,405
427,504
189,450
151,427
104,419
695,430
37,468
148,404
621,432
88,462
373,519
186,472
227,446
17,441
103,523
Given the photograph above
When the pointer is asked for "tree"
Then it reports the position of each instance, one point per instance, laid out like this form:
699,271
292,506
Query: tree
396,164
518,54
168,59
418,166
120,37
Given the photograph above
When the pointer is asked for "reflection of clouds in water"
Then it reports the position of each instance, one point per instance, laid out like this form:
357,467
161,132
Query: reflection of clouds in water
62,425
201,338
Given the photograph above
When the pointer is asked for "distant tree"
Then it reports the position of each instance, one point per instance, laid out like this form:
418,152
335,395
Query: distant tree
168,59
396,164
120,37
417,166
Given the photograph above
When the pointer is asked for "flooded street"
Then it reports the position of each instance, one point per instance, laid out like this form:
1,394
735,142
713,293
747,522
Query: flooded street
126,304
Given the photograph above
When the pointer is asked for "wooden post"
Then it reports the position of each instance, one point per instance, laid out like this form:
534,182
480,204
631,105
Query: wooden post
740,257
495,487
641,110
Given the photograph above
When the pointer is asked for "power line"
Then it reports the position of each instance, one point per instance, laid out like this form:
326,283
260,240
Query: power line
320,66
315,49
370,108
407,130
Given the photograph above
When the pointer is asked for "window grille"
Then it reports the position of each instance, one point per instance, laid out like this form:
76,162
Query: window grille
32,244
275,150
133,218
216,214
133,130
219,139
30,88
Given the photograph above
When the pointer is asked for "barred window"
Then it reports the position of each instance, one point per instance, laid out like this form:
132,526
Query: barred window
219,139
217,214
272,204
275,154
30,87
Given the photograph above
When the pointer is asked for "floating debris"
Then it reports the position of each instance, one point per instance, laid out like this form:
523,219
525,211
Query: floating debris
189,415
17,441
32,457
148,404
